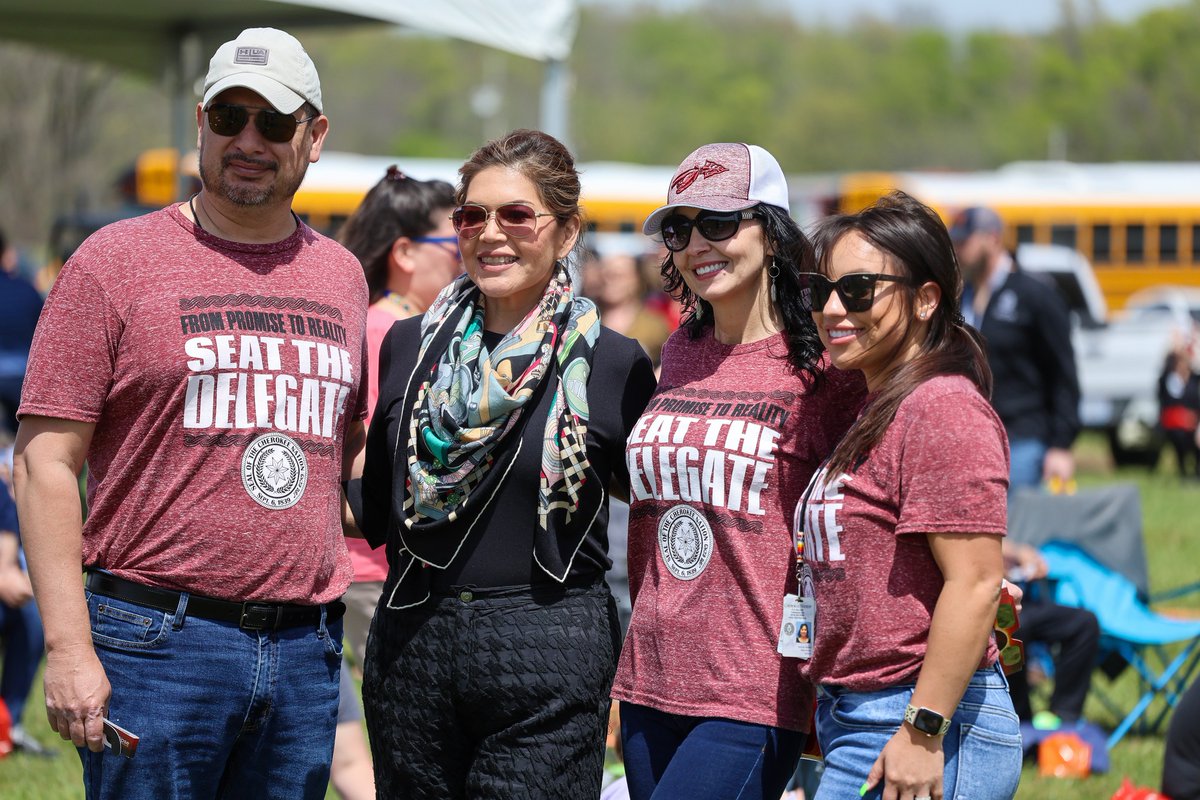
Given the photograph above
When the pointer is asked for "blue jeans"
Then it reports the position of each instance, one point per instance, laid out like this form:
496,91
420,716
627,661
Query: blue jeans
22,639
671,756
982,747
1025,459
221,712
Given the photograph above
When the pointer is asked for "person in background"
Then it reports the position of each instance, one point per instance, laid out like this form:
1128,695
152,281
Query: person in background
20,306
401,233
500,427
21,637
205,361
1181,753
1179,404
1027,329
744,413
615,282
1072,633
898,536
658,300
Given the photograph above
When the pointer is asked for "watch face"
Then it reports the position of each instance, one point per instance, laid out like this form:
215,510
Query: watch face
928,721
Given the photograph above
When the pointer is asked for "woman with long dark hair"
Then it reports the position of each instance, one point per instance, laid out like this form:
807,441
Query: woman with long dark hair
401,233
500,427
744,413
898,535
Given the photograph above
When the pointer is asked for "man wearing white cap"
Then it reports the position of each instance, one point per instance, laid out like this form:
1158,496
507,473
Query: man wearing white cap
205,361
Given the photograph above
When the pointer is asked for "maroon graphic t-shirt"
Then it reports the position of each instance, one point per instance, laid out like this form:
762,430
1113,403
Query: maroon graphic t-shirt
220,378
716,463
941,467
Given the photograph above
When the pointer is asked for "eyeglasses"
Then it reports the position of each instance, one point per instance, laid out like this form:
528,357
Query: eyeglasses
441,241
275,126
1012,650
715,226
518,220
856,290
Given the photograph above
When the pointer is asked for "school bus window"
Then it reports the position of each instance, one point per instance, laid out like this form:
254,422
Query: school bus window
1135,243
1024,234
1101,243
1063,235
1195,244
1168,243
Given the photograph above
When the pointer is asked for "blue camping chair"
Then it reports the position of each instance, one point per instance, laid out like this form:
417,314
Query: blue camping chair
1129,629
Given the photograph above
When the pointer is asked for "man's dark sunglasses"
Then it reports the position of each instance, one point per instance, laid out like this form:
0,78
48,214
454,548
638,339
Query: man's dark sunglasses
715,226
856,290
229,120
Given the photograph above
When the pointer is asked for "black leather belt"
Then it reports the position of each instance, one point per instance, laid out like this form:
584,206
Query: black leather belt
252,616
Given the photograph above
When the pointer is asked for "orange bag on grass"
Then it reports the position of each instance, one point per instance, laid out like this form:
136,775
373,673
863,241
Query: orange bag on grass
1064,755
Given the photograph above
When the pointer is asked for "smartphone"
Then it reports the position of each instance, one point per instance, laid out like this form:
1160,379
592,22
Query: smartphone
119,740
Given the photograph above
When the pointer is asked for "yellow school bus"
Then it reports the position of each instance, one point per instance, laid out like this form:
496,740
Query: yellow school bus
1137,223
616,197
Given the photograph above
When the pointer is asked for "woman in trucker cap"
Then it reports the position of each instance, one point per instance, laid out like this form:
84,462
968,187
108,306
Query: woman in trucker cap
744,412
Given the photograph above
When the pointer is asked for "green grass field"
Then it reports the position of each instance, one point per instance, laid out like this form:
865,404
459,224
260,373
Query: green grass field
1173,550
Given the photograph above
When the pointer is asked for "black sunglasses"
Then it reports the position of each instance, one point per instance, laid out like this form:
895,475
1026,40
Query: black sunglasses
856,290
715,226
275,126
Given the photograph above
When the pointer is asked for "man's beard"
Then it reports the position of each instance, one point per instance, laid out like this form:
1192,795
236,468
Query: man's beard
976,270
249,196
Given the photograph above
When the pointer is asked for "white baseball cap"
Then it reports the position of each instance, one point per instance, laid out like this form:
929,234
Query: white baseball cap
723,177
269,62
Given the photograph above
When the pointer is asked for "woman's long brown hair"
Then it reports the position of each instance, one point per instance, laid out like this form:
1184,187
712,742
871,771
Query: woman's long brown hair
914,239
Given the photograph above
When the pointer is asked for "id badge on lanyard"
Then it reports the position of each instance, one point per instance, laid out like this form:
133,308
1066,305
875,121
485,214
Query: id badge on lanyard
798,630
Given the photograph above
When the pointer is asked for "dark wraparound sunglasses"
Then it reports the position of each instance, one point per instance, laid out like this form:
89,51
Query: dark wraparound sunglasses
715,226
518,220
856,290
228,120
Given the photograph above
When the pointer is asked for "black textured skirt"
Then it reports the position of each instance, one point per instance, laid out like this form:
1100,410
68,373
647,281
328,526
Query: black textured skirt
497,693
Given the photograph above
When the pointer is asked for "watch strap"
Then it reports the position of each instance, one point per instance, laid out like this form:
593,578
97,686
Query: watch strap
910,716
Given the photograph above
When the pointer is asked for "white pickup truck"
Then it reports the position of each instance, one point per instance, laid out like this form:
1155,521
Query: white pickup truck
1119,358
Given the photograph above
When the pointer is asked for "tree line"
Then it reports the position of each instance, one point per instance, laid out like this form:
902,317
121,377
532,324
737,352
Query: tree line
649,85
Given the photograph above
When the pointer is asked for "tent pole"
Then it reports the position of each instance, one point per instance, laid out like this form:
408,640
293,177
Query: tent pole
185,71
555,101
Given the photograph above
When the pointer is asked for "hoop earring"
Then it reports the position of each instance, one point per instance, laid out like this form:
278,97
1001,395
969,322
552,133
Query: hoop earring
773,273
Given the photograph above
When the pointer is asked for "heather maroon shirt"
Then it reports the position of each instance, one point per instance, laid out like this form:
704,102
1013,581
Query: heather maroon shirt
717,463
221,378
941,467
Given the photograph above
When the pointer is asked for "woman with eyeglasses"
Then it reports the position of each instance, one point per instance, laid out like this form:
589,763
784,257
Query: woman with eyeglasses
499,430
898,534
401,233
744,412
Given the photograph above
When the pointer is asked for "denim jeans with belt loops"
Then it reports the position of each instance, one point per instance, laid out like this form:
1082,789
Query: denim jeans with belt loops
221,712
982,748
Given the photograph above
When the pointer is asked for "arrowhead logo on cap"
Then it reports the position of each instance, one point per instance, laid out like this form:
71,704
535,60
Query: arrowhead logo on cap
689,176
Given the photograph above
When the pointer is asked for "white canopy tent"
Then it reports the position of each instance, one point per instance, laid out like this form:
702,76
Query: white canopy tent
174,39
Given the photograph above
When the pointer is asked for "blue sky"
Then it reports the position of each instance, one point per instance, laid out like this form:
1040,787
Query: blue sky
955,15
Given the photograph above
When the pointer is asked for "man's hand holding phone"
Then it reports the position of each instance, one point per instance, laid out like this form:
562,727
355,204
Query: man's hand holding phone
119,740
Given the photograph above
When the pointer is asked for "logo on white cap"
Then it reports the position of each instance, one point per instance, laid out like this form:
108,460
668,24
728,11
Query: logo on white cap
252,55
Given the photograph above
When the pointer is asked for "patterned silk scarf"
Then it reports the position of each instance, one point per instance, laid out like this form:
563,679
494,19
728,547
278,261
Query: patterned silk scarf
471,401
